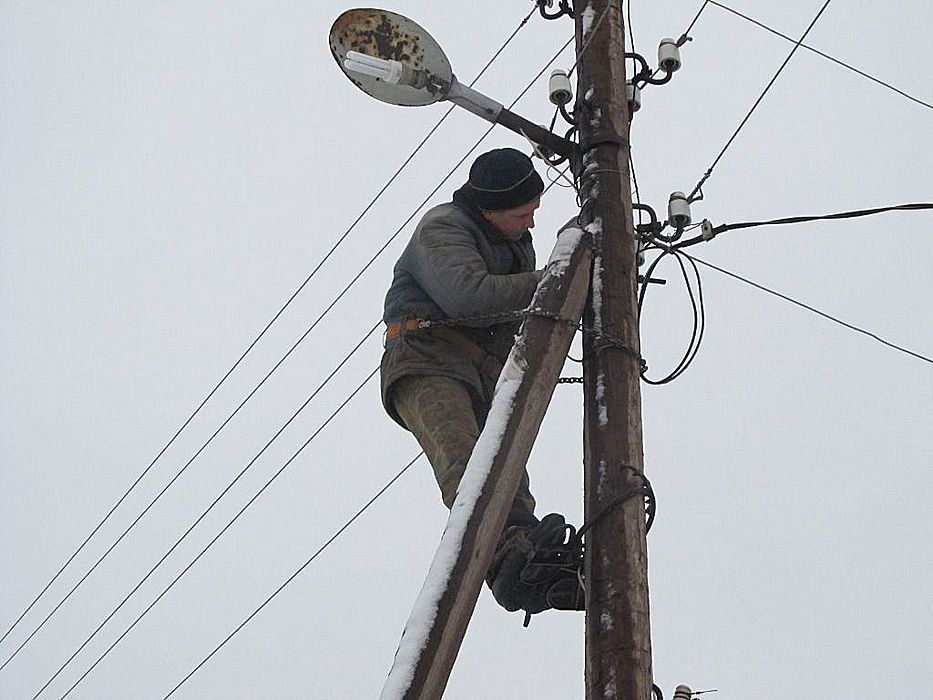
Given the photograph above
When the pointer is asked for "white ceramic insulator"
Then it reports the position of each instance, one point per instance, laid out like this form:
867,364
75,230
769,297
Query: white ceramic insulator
669,55
560,91
678,210
682,692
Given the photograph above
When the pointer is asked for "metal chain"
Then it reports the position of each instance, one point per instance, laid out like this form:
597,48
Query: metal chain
605,342
602,341
499,317
486,319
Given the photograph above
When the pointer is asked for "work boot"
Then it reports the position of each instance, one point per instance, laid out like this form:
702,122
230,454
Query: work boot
537,568
512,553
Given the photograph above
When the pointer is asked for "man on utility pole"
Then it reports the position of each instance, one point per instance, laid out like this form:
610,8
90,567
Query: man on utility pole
451,316
618,642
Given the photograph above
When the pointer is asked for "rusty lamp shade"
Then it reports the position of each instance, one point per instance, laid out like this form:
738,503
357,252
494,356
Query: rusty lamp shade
387,35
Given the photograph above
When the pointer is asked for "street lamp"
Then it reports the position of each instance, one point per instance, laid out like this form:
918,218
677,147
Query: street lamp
395,60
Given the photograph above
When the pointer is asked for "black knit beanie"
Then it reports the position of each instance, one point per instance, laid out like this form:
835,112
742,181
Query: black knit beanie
504,179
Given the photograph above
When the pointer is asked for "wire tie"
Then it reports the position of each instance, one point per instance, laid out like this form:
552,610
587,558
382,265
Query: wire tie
601,138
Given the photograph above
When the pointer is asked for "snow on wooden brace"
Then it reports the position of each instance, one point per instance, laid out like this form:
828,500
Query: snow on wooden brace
438,622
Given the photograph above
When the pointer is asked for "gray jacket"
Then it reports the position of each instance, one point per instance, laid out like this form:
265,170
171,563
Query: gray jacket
456,266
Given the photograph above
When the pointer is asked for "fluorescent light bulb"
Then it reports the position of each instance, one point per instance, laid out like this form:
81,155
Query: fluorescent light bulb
387,70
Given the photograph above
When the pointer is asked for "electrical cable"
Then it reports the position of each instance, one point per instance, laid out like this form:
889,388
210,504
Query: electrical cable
171,482
642,488
813,309
841,215
287,581
696,303
261,334
628,21
462,160
223,493
631,160
698,309
824,55
218,535
699,185
560,175
716,230
565,7
631,167
214,435
685,37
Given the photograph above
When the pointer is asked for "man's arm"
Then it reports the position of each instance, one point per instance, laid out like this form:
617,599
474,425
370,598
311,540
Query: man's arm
450,269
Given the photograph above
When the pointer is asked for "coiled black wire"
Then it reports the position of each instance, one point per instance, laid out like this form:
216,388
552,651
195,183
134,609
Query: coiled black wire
696,303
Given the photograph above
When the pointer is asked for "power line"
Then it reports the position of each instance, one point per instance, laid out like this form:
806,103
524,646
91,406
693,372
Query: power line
628,22
764,92
261,334
170,483
216,537
213,503
335,301
631,159
345,290
813,309
716,230
294,575
685,36
841,215
824,55
180,472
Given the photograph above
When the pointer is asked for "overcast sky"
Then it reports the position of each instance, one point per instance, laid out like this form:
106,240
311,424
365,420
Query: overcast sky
172,172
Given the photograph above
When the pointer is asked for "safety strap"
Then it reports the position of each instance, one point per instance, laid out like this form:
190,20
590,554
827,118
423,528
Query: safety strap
487,364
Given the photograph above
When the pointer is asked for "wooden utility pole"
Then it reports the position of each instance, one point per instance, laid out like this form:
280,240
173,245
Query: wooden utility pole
618,640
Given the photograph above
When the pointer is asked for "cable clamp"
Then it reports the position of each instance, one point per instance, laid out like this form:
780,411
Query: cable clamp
706,230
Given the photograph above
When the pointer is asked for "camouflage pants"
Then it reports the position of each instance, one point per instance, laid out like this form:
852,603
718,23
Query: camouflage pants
439,411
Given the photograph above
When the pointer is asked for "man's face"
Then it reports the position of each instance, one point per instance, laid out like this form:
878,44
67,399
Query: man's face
512,223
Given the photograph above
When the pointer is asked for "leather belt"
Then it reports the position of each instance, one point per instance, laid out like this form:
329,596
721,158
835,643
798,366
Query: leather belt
487,364
394,330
